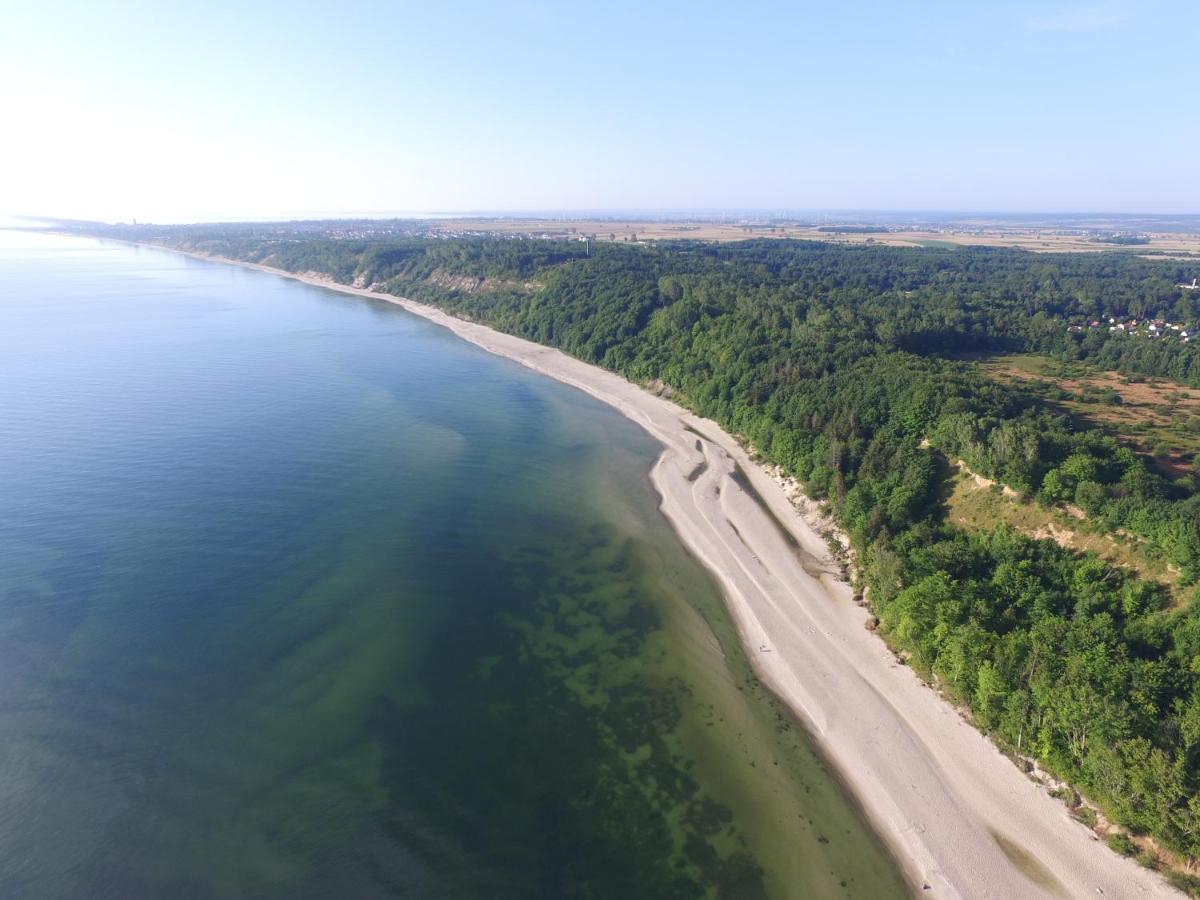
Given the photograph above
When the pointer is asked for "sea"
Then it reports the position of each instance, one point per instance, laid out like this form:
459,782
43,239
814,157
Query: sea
303,596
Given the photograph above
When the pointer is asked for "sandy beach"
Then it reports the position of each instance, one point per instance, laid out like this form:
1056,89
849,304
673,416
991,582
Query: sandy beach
961,819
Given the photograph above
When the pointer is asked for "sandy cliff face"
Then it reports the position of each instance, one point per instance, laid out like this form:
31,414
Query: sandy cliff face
470,284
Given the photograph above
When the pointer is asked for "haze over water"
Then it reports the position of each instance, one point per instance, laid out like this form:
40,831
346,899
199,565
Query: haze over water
302,596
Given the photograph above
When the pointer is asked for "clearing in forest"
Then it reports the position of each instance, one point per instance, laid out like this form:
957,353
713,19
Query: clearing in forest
976,503
1155,416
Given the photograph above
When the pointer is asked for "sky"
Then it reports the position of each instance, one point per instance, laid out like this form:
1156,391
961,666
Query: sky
207,111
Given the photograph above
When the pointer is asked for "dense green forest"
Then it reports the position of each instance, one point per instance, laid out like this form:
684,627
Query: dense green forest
844,364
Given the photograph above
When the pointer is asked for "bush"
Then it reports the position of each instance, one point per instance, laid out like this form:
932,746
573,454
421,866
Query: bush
1090,497
1121,843
1189,884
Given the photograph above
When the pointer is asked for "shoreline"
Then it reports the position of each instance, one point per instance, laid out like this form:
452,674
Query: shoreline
958,816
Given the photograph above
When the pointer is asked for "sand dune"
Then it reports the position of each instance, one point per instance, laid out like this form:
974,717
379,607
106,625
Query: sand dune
959,816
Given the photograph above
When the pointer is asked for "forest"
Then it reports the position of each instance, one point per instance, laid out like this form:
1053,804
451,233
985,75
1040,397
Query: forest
845,364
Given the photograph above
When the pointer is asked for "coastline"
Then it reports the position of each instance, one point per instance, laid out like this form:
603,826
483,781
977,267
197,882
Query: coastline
960,818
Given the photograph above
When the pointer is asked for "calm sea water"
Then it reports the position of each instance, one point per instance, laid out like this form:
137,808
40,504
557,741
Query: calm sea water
300,596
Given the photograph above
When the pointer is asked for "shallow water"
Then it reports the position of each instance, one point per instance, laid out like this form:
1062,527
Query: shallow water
302,596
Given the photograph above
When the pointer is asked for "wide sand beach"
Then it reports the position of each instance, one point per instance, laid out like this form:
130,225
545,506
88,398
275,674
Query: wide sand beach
961,819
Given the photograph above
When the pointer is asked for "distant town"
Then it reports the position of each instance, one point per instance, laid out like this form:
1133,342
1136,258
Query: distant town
1153,328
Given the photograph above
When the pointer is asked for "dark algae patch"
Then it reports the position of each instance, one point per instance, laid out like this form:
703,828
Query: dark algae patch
586,731
568,782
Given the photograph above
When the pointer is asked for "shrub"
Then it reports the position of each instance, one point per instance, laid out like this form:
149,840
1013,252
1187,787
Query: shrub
1189,884
1121,843
1148,859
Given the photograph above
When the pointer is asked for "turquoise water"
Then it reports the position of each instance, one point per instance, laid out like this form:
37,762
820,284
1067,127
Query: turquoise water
302,596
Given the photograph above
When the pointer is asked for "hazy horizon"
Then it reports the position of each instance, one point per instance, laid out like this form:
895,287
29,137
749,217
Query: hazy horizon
887,217
233,114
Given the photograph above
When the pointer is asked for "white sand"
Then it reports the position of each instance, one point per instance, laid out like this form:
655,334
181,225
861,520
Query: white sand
933,786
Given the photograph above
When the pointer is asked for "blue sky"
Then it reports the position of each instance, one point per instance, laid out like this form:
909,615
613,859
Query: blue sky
172,111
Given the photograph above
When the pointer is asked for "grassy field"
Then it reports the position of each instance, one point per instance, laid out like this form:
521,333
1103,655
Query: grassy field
1155,416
